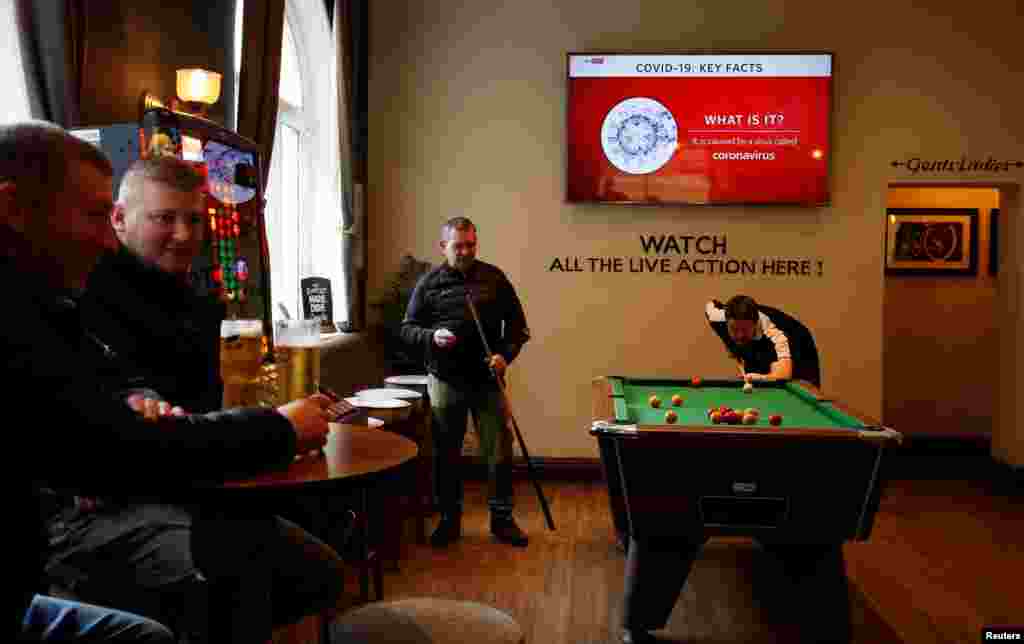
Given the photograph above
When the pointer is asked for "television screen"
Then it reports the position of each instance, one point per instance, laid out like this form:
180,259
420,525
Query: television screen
729,128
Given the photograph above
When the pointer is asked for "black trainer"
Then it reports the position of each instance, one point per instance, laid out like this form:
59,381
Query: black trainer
622,544
506,531
447,531
638,637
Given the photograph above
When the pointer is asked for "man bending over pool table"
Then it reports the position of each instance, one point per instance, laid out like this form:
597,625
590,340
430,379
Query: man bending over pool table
767,343
810,582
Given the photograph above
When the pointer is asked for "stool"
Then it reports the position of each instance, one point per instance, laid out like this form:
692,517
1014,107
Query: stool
425,478
401,486
426,620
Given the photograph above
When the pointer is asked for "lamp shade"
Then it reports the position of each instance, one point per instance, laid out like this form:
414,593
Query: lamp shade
198,85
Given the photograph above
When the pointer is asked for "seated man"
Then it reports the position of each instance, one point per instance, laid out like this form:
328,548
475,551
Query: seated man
54,223
768,345
140,556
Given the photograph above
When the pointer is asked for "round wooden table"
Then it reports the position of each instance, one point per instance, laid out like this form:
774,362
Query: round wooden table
355,459
353,454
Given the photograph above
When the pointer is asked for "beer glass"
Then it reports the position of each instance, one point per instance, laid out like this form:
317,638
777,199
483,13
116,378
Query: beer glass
241,354
297,354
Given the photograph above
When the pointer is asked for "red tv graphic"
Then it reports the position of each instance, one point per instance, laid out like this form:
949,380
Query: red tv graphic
749,139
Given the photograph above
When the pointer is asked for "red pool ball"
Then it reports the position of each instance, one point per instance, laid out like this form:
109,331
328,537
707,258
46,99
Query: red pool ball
695,381
775,419
677,400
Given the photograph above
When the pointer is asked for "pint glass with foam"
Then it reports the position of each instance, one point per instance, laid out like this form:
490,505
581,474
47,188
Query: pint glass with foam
241,355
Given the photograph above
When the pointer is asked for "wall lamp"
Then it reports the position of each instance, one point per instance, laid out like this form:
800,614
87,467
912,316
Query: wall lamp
197,90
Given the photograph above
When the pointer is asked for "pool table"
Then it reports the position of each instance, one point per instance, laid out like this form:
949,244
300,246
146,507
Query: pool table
815,478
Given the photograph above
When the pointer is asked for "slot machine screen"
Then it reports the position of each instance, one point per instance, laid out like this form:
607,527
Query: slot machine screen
233,264
191,148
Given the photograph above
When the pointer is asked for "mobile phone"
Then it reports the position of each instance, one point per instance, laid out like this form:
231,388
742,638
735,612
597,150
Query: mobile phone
341,410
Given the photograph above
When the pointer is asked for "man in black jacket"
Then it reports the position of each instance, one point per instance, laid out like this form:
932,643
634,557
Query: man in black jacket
438,323
80,436
140,303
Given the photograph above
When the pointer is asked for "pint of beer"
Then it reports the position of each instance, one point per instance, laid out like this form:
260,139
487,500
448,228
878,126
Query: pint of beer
241,354
297,354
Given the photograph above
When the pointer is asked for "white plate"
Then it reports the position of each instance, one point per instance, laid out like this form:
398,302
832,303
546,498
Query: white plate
370,422
379,403
407,380
389,392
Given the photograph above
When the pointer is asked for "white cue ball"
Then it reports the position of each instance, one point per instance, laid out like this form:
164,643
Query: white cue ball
748,388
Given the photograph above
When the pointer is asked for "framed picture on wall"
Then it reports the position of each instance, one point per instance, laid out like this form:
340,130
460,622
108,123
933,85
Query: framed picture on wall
993,242
931,241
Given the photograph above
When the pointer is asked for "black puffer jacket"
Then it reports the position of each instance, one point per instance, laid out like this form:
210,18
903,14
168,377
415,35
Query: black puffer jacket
161,331
439,301
66,430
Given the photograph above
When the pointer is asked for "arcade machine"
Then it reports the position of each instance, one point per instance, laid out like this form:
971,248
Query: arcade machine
234,264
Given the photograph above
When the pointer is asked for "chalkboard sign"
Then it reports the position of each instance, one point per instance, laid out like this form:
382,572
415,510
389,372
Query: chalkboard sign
317,303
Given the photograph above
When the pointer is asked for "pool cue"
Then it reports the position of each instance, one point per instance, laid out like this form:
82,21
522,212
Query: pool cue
515,425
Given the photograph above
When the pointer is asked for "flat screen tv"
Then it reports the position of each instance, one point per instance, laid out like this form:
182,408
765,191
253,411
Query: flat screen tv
699,128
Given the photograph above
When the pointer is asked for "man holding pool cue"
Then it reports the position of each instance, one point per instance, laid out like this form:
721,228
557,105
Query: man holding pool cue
438,324
512,417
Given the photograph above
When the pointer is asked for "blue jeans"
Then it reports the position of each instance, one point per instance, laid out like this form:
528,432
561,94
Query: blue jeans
49,619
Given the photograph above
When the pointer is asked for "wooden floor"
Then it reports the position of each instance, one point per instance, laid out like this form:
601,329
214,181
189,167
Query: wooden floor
945,559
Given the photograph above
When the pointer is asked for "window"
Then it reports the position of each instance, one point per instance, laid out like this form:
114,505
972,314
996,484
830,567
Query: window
303,212
283,226
14,105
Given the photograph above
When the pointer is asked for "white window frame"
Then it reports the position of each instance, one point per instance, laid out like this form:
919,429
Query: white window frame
14,106
285,262
320,214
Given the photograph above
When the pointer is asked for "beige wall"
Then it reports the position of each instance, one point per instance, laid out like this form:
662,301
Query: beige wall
132,47
940,340
467,106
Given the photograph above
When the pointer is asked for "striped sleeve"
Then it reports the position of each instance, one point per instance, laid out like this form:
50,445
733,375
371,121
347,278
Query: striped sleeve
778,338
714,311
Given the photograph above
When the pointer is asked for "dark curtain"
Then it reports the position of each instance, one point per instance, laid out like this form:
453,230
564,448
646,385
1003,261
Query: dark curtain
52,39
262,30
349,20
227,85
